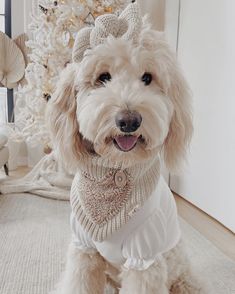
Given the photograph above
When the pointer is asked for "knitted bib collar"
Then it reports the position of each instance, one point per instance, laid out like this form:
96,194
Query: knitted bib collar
104,198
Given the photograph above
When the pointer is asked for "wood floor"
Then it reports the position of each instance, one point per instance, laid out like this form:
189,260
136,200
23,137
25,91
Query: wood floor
220,236
214,231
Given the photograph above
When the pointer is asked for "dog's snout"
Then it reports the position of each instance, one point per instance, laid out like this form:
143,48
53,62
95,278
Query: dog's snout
128,121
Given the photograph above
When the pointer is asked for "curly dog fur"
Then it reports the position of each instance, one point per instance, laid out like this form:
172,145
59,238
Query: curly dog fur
82,119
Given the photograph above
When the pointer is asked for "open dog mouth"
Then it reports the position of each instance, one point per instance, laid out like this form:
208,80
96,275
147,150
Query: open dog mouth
126,143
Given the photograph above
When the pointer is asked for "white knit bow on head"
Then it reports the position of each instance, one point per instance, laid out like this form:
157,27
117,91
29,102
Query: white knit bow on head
127,26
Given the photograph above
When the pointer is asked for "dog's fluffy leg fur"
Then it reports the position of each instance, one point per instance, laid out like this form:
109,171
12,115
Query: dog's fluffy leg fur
113,277
84,273
150,281
181,278
187,284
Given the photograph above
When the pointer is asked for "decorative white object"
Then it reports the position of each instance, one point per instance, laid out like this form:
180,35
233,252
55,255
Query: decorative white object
20,41
14,148
12,64
47,179
35,150
14,144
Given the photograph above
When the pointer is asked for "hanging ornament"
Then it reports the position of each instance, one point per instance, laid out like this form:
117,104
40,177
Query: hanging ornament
65,37
43,9
71,41
66,63
47,149
46,96
108,9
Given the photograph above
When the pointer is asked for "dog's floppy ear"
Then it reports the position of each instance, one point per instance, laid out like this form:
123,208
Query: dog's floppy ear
61,115
180,130
174,86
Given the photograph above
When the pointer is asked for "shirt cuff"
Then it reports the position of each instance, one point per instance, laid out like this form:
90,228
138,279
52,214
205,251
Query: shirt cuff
138,264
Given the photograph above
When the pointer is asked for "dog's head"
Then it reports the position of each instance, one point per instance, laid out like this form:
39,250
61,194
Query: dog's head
124,99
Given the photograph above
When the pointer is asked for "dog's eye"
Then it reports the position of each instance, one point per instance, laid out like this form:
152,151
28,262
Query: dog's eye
104,77
147,78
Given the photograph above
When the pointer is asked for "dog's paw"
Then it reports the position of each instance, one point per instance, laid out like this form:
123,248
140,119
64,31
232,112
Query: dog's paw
185,287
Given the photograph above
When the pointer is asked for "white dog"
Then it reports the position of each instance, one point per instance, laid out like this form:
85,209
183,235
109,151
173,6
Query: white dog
118,106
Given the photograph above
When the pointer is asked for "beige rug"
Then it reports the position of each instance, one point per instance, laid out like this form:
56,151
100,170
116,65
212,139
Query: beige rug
34,233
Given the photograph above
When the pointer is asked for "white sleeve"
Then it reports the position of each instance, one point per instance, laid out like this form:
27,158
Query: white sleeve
80,238
168,205
159,232
145,245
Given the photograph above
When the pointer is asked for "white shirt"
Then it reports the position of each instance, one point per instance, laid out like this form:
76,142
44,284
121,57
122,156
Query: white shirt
152,230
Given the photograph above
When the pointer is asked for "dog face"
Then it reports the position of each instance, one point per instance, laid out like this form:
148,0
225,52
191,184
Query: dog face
124,102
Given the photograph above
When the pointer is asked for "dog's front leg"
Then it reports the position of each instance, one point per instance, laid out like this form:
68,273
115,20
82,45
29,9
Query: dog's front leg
150,281
181,277
84,273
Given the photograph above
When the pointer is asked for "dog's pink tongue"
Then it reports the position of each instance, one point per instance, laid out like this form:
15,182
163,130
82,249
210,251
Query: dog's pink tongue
126,143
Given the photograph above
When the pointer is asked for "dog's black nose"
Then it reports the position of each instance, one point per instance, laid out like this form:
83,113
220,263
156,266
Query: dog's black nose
128,121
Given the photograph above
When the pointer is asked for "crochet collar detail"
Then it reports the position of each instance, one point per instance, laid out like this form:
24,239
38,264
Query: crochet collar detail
104,199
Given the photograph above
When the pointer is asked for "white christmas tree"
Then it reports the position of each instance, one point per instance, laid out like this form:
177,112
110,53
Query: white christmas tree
53,33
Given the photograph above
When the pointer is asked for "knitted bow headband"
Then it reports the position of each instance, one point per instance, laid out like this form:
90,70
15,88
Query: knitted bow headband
127,26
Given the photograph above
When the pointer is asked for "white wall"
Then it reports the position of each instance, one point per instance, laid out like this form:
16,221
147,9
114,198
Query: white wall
21,16
207,53
17,18
171,22
156,11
